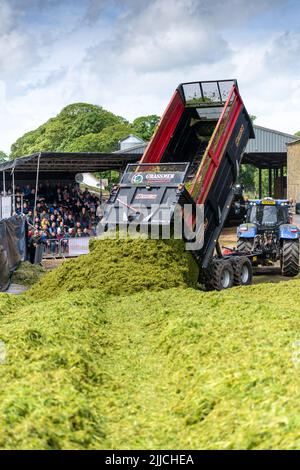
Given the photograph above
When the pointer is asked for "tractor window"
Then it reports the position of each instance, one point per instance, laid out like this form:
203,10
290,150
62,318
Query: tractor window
267,215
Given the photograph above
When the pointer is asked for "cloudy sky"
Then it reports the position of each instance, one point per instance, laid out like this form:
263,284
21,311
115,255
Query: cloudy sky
129,55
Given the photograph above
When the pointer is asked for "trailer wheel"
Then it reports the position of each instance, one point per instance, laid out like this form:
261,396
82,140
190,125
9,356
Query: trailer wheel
290,258
221,275
242,271
245,244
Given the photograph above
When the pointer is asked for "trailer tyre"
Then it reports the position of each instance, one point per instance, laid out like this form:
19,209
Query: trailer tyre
245,244
290,258
221,275
242,271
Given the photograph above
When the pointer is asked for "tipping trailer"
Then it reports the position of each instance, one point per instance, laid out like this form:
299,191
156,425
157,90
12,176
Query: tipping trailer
192,160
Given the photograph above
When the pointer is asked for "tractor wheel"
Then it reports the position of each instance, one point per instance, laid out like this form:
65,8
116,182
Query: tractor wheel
245,244
290,258
221,275
242,271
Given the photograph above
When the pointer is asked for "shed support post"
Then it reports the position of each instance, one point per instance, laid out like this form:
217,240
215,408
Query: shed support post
36,184
259,183
14,192
100,192
281,183
270,183
4,188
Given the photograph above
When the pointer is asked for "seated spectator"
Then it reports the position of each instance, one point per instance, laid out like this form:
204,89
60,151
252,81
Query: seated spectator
26,190
70,222
25,207
70,233
30,217
84,218
61,212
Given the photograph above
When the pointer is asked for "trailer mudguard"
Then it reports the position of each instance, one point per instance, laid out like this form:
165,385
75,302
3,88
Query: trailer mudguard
289,232
247,231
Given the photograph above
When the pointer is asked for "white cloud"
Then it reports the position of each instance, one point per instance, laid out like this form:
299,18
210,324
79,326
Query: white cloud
16,46
6,17
269,76
129,55
284,53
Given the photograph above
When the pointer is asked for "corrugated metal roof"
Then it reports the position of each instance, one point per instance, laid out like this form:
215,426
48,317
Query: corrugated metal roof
129,142
269,141
72,162
138,149
266,141
295,142
131,138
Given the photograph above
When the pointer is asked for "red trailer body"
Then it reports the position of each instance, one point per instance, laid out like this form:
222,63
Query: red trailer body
199,143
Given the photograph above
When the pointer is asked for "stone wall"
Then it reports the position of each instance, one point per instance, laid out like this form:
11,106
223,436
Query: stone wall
293,171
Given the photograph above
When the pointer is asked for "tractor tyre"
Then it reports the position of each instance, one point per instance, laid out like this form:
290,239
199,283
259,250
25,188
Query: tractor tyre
242,271
290,258
221,275
245,244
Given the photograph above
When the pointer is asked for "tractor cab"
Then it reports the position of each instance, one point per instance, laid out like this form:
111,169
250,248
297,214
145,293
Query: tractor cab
268,213
270,235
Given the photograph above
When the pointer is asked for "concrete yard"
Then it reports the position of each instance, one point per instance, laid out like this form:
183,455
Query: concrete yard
16,289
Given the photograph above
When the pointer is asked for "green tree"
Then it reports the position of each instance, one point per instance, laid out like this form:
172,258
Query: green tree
298,134
105,141
57,134
3,157
145,126
247,175
82,127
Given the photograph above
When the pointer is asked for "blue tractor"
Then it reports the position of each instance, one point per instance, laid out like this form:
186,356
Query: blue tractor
269,236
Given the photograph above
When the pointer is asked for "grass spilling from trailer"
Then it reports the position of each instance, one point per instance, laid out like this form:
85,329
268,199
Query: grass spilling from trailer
122,267
159,369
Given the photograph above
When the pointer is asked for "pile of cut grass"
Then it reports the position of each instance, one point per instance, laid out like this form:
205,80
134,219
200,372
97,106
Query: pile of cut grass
207,370
123,267
159,369
52,377
177,369
28,274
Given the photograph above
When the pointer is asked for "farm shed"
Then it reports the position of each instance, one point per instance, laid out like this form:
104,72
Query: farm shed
61,166
268,152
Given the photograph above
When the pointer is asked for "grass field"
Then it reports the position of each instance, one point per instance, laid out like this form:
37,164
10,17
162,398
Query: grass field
170,369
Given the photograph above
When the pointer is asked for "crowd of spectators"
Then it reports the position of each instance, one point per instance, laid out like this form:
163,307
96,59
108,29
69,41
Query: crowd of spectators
62,211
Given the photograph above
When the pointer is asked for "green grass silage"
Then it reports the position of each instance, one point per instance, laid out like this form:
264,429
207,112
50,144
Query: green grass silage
122,267
28,274
207,370
174,368
52,377
171,369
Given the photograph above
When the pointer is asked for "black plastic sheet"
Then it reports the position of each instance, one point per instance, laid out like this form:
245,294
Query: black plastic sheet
12,247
